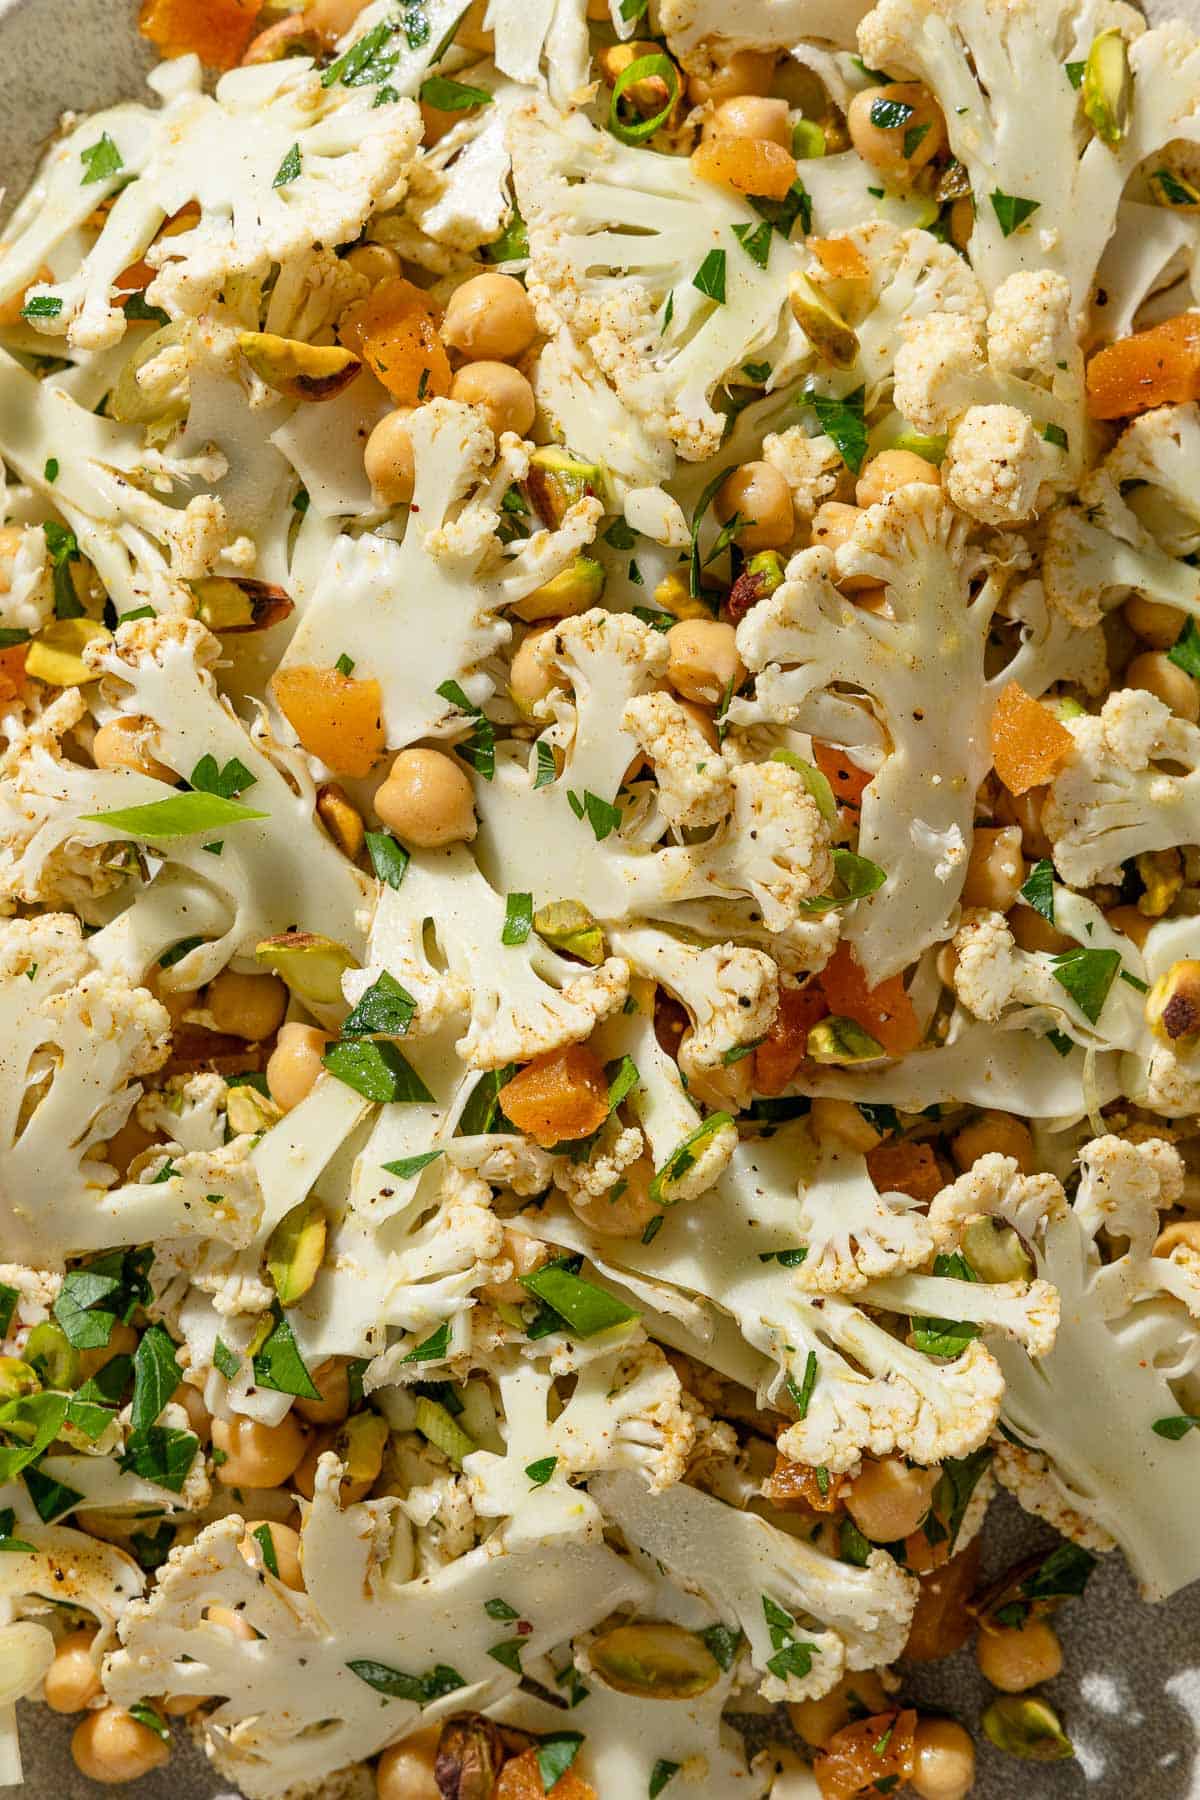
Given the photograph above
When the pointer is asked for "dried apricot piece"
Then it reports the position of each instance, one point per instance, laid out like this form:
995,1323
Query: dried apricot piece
521,1779
847,780
886,1011
394,330
840,257
794,1486
941,1623
335,716
1156,367
905,1168
1029,745
12,672
782,1050
859,1756
559,1096
751,165
217,31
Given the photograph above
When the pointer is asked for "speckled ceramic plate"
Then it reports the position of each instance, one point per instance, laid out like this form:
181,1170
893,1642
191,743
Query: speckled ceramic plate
1130,1693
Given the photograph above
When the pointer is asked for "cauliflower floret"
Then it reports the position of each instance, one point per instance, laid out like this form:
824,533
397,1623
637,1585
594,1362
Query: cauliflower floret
811,466
33,775
994,468
26,595
1136,520
936,369
694,786
616,1149
607,660
76,1039
730,991
1119,792
1029,327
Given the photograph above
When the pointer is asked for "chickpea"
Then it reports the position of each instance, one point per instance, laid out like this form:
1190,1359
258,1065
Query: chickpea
833,525
286,1544
490,318
1019,1657
1025,810
124,743
944,1761
841,1122
817,1720
1032,932
1154,671
887,1500
703,660
994,1133
502,394
525,1254
257,1455
1130,923
1156,624
388,460
226,1619
703,719
247,1006
332,1381
192,1402
528,679
883,146
111,1747
626,1209
341,819
892,470
122,1341
742,72
750,116
304,1476
427,800
176,1000
1182,1234
758,493
72,1680
378,262
295,1063
405,1770
995,869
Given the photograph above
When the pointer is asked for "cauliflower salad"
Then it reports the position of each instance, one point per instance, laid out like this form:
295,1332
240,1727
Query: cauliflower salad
600,871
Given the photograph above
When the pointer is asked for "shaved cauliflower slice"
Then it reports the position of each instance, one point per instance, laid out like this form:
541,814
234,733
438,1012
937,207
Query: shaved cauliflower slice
1103,1463
694,786
417,614
616,235
759,1577
607,660
977,56
731,992
521,999
300,1710
624,1412
922,666
222,152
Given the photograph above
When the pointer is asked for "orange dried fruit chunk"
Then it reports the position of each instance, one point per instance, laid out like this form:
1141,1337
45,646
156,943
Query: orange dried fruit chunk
840,257
751,165
858,1757
335,716
885,1011
905,1168
12,672
1156,367
394,330
521,1779
848,782
1029,745
561,1095
217,31
782,1050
